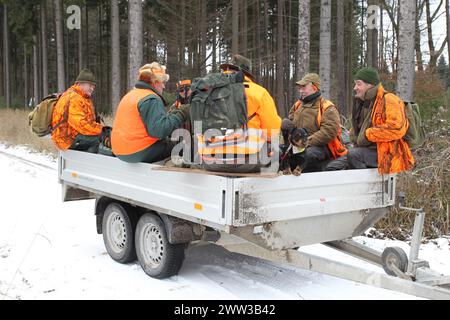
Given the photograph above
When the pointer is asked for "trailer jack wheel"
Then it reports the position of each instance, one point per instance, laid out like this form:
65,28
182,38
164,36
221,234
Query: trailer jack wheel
158,258
394,261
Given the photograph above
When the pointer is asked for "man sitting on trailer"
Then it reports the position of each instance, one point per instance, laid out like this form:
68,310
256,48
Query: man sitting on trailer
142,127
320,118
74,122
378,126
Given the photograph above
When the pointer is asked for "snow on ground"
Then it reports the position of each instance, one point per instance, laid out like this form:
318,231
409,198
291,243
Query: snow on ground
50,250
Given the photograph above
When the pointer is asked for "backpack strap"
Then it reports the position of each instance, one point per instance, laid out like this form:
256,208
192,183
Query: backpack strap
66,113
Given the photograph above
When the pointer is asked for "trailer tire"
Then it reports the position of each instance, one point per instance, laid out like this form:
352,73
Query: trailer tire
158,258
394,256
118,227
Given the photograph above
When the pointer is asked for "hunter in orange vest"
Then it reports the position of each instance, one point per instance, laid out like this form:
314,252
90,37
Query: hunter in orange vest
142,127
378,126
321,120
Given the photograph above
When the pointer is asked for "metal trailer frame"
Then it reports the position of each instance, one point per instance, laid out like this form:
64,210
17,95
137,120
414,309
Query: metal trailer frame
261,217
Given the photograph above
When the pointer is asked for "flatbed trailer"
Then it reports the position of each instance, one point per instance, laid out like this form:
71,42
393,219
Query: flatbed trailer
153,213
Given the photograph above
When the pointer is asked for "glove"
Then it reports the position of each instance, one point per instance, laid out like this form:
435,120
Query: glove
183,111
105,136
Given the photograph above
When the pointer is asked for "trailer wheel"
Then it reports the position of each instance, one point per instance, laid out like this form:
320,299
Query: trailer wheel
158,258
394,256
118,233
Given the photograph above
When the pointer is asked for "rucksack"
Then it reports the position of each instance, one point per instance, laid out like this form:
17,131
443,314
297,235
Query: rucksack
415,136
40,119
218,101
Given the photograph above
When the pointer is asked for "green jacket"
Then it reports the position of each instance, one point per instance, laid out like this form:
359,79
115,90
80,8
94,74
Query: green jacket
157,121
305,116
361,119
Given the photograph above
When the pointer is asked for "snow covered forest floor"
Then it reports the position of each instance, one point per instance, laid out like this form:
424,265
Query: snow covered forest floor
50,250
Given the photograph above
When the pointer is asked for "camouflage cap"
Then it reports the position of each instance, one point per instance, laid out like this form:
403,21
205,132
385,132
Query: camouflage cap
310,78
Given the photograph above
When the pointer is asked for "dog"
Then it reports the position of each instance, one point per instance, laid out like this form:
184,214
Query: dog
293,151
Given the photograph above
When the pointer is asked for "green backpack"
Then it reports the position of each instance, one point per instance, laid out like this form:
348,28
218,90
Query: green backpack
415,136
40,119
218,101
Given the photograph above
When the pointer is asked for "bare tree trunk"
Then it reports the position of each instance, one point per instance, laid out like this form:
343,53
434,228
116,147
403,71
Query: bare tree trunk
340,61
418,49
349,25
235,27
405,74
115,55
325,47
59,45
44,48
281,105
6,56
214,35
80,45
203,37
36,96
303,38
244,29
447,10
135,40
26,76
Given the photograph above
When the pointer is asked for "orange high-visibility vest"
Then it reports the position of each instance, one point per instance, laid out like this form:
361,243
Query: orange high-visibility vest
129,134
335,146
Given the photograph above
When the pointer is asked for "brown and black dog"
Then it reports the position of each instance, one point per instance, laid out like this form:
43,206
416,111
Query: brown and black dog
293,150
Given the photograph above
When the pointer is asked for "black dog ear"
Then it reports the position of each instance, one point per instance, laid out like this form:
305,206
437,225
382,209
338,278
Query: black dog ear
304,132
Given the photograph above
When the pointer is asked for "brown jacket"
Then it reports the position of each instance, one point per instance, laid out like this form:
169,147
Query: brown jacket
305,116
78,119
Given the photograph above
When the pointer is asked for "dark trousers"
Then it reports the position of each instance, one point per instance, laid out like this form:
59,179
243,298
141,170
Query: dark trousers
362,158
85,143
156,152
319,159
315,156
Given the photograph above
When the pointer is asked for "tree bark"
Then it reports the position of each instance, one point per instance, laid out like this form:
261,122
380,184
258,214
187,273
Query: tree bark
6,56
26,76
418,49
349,25
405,74
325,47
80,45
135,52
235,27
281,104
244,29
44,48
340,61
447,10
203,36
303,38
61,76
36,96
115,56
